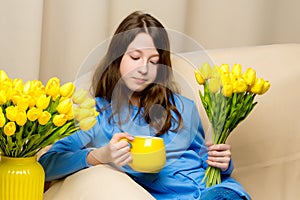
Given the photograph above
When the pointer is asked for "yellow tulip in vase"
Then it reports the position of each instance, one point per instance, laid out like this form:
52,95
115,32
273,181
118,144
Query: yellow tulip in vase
228,98
33,116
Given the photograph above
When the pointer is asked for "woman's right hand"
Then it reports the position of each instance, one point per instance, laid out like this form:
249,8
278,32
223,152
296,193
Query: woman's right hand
116,151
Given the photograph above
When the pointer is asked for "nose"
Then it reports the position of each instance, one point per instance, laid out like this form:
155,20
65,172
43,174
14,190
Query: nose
143,69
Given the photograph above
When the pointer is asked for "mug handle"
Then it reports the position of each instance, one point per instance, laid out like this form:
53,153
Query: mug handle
128,141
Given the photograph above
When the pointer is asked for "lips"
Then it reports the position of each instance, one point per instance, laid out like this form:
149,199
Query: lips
139,80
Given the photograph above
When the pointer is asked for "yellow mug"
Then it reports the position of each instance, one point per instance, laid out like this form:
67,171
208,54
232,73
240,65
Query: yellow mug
148,154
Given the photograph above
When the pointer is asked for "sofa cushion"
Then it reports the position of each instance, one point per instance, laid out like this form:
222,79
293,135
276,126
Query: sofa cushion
98,182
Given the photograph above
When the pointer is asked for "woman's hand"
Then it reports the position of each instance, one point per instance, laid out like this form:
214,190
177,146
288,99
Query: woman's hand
219,155
116,151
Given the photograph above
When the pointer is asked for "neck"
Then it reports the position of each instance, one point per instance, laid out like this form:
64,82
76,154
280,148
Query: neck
134,100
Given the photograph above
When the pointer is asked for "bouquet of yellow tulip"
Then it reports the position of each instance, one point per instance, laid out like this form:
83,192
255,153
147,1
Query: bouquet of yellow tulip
228,98
33,116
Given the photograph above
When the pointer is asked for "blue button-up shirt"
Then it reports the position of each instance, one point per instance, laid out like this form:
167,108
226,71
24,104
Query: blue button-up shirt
181,178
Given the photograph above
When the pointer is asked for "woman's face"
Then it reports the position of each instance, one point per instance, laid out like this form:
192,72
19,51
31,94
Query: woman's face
138,66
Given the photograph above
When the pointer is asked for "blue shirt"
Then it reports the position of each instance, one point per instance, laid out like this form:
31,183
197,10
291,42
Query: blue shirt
181,178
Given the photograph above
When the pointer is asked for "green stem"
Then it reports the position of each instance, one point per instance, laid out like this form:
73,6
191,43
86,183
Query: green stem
212,176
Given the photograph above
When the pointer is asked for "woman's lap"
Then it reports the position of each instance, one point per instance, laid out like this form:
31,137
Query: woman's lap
220,193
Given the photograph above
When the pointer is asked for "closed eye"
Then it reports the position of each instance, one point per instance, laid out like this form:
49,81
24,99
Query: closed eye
134,57
154,62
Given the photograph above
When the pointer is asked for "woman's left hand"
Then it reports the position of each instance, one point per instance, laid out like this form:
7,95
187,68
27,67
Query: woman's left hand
219,155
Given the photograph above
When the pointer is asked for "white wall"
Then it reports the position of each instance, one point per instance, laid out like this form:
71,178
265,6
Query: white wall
20,37
45,38
229,23
71,29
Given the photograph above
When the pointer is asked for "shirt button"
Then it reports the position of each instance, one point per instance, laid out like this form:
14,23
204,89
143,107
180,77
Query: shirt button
196,194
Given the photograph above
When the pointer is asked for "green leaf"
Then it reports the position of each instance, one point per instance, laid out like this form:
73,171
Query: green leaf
10,146
19,136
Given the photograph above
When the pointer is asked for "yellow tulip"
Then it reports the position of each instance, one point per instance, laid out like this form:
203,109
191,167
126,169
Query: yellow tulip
6,83
2,120
60,120
225,78
18,84
227,90
3,75
32,101
237,70
23,102
256,88
200,80
9,94
53,87
79,96
76,111
240,85
2,97
10,128
63,98
214,84
70,114
215,72
34,113
11,113
87,123
82,113
224,68
233,77
88,103
64,106
96,113
34,88
15,97
43,101
265,87
21,118
27,87
44,118
67,89
37,84
205,71
250,76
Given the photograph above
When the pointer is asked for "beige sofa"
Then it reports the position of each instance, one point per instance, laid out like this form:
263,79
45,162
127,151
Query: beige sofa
265,147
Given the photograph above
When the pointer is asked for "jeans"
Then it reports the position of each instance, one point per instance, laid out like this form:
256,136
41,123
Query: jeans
220,193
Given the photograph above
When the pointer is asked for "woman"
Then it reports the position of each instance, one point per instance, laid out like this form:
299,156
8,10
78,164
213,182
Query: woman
135,95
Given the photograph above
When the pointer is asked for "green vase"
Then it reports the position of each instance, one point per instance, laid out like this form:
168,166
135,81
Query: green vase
21,178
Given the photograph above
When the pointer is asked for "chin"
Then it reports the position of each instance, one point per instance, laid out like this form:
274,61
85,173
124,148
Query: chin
138,89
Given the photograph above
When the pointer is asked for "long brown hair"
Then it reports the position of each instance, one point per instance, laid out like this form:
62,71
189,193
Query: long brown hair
107,81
